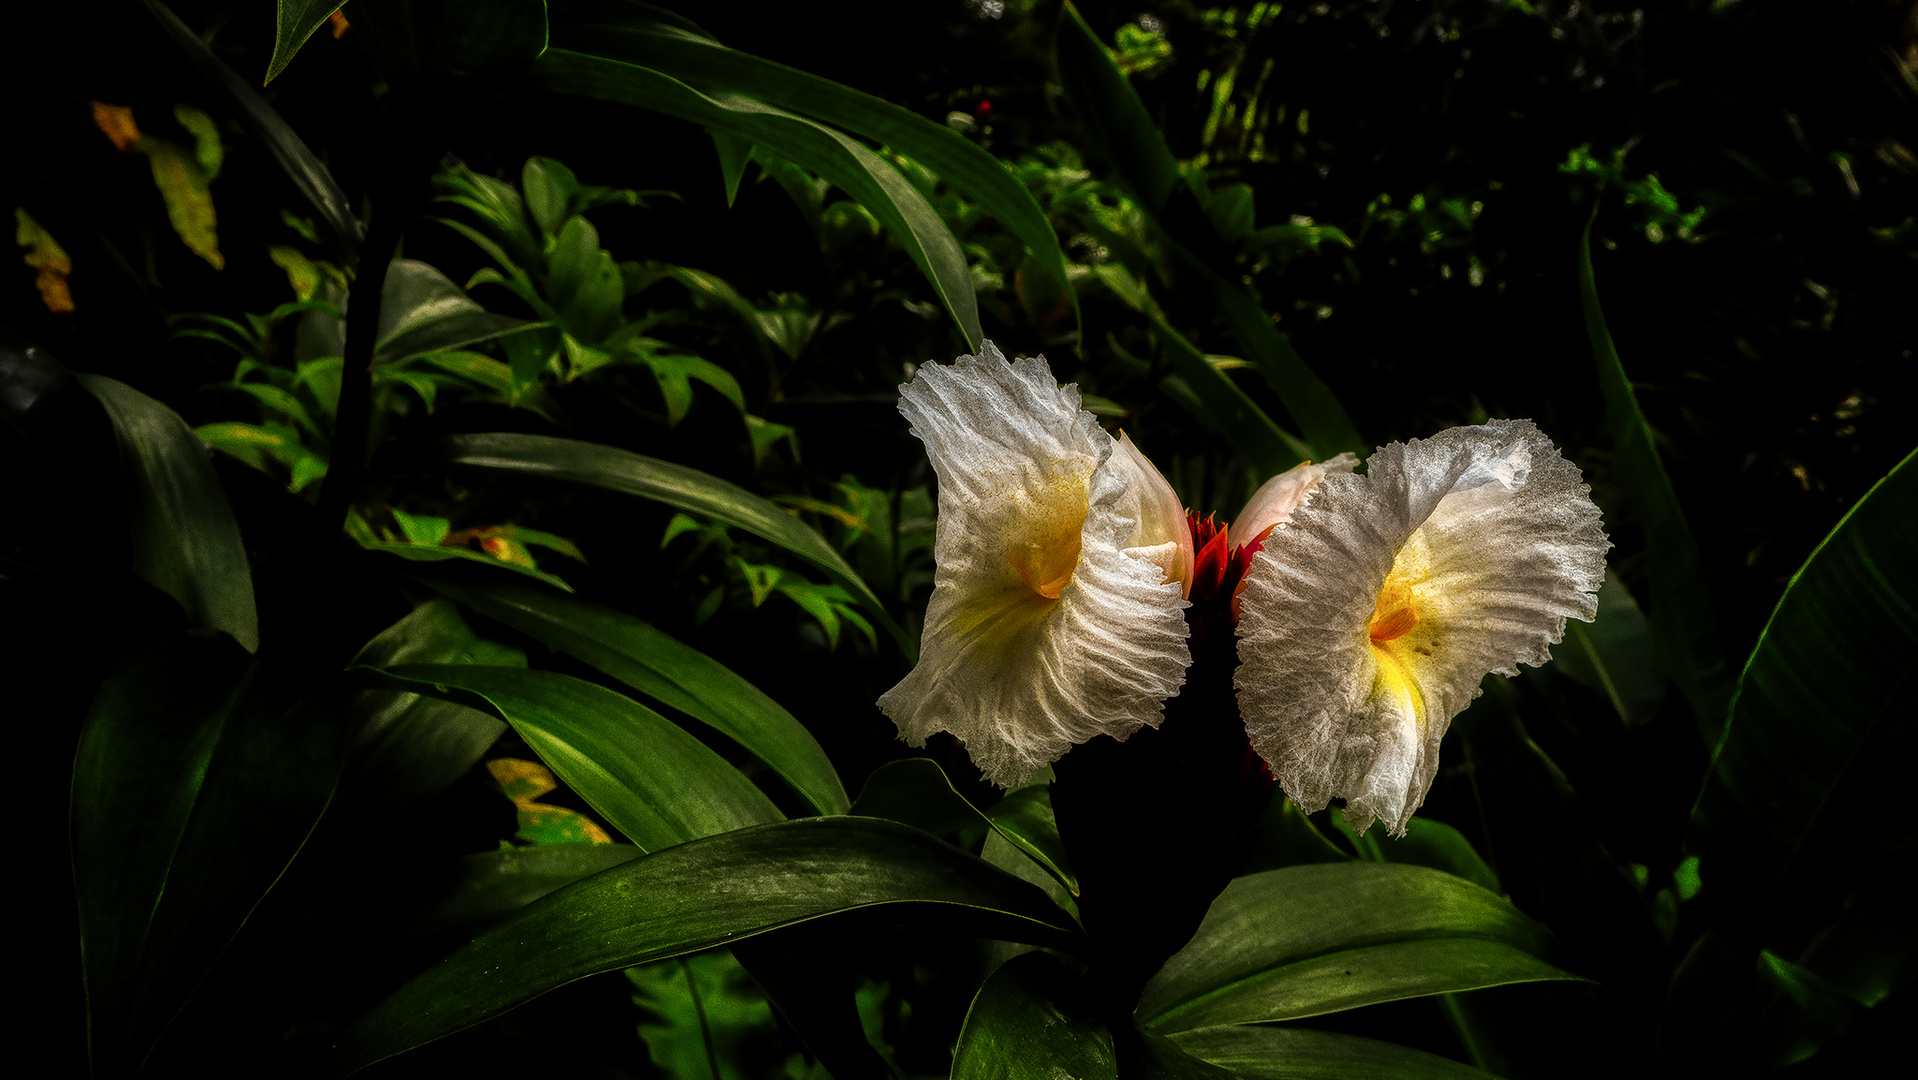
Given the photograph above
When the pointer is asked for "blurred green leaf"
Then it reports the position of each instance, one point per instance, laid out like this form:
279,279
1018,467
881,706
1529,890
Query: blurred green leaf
193,787
1029,1022
428,553
1684,627
309,176
708,892
1818,721
185,540
1613,655
638,770
675,485
837,157
662,668
1218,403
1319,938
1279,1052
295,22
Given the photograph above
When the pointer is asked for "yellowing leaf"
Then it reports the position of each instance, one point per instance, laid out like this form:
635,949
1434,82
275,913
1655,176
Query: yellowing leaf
338,22
301,274
189,205
117,122
524,781
48,258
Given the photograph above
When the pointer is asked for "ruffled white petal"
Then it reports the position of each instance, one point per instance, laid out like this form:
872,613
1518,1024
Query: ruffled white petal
1369,618
1049,624
1278,497
1161,533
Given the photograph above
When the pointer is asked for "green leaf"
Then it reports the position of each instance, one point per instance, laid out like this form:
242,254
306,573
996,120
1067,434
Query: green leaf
206,140
425,553
545,196
675,485
668,671
1029,1022
840,159
702,1016
1613,655
637,769
410,747
734,154
309,177
1314,939
708,892
1683,623
1425,843
193,788
423,311
1819,720
917,792
1222,406
185,540
1128,138
493,884
711,67
422,42
1269,1052
296,21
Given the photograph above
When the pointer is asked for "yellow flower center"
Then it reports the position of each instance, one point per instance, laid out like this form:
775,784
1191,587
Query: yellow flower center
1394,613
1046,565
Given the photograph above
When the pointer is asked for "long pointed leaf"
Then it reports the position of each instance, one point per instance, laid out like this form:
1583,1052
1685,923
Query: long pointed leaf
840,159
649,779
1272,1052
1684,627
295,21
917,792
1313,939
185,540
1820,728
710,66
1124,132
309,177
1029,1022
193,788
709,892
675,485
662,668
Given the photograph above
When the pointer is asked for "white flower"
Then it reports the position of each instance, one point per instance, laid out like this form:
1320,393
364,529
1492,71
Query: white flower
1372,613
1057,605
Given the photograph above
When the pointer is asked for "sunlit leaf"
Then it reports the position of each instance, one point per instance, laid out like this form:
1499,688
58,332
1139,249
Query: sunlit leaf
691,897
1314,939
668,671
636,769
185,540
1818,726
1029,1022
